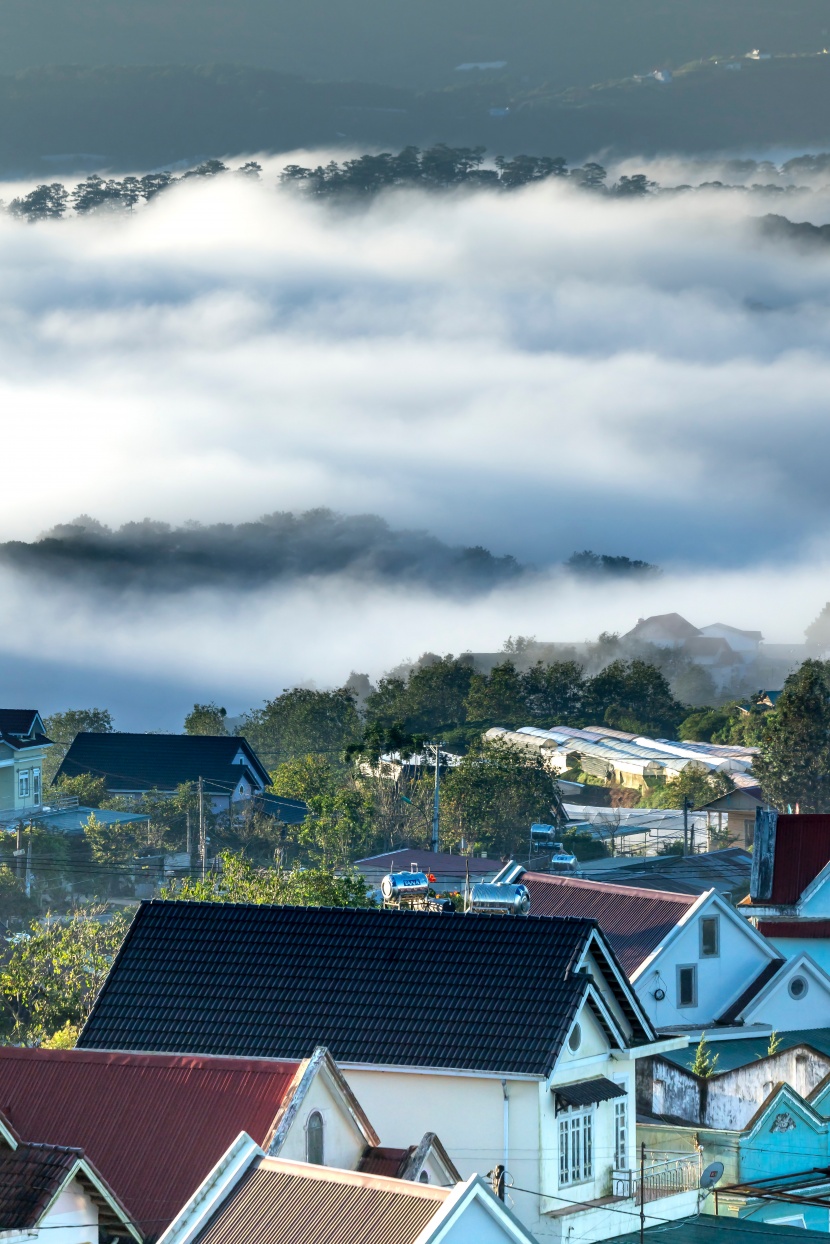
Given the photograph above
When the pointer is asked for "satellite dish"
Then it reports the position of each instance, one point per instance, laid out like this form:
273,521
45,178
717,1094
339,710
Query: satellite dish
711,1175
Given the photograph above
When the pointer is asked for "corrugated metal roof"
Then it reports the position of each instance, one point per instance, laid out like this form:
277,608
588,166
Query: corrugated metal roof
802,848
707,1229
291,1203
745,1051
381,1160
635,921
154,1125
429,862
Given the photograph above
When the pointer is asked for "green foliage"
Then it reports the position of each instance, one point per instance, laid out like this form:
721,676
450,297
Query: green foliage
301,722
704,1064
61,728
52,972
239,881
774,1043
110,844
599,565
45,202
432,698
494,794
14,905
90,791
695,784
635,696
499,697
339,826
702,725
206,719
794,764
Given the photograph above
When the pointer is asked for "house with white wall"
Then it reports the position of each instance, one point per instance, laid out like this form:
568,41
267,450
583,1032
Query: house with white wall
280,1201
52,1194
191,1109
694,961
516,1039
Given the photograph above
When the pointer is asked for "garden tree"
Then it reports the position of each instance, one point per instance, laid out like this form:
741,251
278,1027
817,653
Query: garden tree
50,977
302,722
14,903
694,784
379,740
61,728
431,700
704,1064
494,795
111,844
339,826
794,764
555,694
238,881
497,697
206,719
90,791
702,725
633,695
401,800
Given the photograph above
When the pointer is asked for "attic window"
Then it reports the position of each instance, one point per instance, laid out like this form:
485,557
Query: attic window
709,937
798,987
314,1139
575,1039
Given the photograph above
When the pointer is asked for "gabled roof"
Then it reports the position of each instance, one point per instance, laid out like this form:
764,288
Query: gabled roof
153,1125
670,625
139,762
802,849
20,721
766,974
31,1176
635,921
407,1163
395,988
282,1202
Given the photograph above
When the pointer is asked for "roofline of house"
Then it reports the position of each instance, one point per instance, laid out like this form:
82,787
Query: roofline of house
227,1172
320,1062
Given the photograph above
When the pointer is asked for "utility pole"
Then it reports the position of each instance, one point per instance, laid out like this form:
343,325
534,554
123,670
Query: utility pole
202,843
436,799
29,865
687,804
497,1177
642,1190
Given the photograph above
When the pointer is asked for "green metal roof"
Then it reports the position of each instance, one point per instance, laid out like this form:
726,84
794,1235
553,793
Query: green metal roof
707,1229
741,1052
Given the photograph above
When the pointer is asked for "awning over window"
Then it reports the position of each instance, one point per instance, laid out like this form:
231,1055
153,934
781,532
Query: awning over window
587,1092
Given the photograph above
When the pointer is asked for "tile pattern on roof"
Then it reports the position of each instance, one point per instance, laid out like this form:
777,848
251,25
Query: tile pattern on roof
30,1176
132,762
407,988
153,1125
278,1207
634,920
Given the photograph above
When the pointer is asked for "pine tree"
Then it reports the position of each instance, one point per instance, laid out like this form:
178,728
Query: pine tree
794,764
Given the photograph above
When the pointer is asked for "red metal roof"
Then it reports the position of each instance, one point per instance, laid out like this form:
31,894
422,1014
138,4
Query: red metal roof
435,862
802,848
153,1124
635,921
794,928
381,1160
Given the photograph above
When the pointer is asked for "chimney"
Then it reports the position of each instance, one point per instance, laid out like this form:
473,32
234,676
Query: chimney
763,855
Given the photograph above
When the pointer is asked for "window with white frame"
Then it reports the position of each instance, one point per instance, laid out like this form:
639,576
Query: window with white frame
576,1147
621,1134
36,785
23,784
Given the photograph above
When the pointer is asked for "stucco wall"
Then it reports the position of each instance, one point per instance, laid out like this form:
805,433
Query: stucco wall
73,1219
817,948
720,980
343,1143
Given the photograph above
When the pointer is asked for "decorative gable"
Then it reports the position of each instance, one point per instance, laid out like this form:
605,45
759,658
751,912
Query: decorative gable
797,997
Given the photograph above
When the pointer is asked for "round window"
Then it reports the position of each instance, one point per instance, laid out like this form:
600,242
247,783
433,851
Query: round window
798,987
575,1039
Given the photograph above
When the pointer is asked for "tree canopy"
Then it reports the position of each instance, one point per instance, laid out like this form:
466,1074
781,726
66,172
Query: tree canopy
794,764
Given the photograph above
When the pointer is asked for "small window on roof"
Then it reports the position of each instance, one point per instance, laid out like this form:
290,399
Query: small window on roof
314,1139
423,1178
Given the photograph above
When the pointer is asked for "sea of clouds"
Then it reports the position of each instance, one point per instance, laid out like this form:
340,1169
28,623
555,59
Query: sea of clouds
535,372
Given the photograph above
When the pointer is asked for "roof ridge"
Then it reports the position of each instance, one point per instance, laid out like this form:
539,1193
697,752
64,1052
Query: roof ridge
358,1179
687,900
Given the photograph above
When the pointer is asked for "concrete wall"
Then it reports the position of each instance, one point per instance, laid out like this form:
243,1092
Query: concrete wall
817,948
730,1100
73,1219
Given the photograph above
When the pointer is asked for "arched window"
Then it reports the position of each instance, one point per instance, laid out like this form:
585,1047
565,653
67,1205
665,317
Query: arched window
314,1138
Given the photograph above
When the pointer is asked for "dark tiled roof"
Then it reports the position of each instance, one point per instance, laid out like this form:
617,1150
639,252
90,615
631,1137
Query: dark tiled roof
635,921
275,1204
381,1160
154,1125
802,848
384,987
30,1176
766,974
17,720
131,762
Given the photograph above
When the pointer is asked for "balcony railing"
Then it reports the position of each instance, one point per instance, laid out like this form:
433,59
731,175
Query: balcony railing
663,1175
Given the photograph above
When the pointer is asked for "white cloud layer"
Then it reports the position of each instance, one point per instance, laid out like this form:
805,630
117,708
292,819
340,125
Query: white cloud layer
537,372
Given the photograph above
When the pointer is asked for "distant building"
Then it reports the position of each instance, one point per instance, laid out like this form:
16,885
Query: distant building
789,897
450,871
23,748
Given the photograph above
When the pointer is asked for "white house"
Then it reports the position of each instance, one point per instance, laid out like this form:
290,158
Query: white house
694,961
53,1194
278,1201
517,1039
